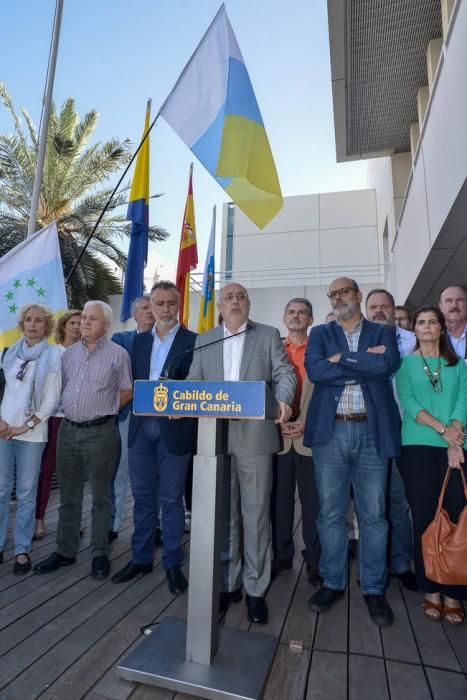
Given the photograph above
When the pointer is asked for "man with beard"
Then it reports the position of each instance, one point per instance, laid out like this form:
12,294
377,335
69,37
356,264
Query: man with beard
402,317
380,308
352,426
453,306
250,352
293,467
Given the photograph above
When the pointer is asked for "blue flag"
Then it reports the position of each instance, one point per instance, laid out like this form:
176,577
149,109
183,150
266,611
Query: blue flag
138,214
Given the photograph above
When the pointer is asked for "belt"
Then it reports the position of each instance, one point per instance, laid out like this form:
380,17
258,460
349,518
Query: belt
352,417
89,423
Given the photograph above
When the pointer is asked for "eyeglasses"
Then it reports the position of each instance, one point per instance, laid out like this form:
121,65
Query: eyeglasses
22,370
345,291
237,296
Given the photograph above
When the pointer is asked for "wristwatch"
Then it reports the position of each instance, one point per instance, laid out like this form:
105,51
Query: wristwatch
31,425
443,430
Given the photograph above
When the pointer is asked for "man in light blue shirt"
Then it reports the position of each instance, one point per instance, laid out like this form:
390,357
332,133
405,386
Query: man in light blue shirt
453,306
160,449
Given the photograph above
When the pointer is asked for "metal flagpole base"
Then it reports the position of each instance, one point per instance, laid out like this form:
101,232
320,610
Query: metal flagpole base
238,672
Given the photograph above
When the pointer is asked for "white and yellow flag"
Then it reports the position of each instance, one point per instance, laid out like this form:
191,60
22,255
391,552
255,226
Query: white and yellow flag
30,272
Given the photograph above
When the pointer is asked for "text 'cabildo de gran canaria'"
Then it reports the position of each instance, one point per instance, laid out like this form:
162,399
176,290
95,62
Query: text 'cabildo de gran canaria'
191,401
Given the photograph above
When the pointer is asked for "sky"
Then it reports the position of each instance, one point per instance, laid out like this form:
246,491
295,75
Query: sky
115,54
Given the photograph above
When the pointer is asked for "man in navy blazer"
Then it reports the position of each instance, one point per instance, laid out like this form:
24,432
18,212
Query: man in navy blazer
160,449
353,427
144,318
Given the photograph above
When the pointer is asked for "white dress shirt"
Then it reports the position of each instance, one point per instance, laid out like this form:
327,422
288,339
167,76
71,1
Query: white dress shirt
405,341
458,345
160,350
233,351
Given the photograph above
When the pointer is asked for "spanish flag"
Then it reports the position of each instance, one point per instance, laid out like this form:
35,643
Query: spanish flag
188,254
206,304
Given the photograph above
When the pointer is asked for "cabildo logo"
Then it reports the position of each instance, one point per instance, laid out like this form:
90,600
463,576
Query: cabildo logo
161,393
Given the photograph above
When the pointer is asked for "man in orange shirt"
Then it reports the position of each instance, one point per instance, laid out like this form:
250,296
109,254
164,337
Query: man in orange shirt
294,465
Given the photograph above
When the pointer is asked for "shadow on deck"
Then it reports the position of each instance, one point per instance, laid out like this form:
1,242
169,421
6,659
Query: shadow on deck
62,634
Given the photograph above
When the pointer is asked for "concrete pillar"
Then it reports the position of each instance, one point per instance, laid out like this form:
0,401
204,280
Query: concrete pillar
401,166
432,57
414,137
423,95
446,11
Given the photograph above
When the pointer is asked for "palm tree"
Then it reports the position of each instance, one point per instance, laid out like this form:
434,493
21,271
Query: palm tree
72,194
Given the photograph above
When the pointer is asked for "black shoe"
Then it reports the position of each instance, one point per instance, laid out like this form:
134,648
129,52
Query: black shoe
280,565
52,563
312,571
380,610
158,542
130,571
19,569
227,598
323,599
100,567
257,610
177,581
113,534
408,580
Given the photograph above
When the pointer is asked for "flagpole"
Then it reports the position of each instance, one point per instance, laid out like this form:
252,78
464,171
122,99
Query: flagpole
112,195
45,118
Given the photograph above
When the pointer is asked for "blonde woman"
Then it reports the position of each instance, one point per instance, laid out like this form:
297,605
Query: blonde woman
32,370
68,331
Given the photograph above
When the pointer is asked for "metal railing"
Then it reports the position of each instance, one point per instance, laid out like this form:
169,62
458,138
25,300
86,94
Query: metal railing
288,276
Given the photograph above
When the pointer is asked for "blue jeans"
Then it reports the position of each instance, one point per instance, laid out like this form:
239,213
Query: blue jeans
27,456
350,457
156,474
121,479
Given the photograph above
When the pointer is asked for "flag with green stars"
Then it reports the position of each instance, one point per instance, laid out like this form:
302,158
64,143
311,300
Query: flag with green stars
30,272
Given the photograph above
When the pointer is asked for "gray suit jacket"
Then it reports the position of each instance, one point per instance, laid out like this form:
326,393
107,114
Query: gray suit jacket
297,443
263,359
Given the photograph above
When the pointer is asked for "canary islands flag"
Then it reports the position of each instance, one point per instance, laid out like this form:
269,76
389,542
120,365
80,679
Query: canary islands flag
30,272
206,304
138,214
214,111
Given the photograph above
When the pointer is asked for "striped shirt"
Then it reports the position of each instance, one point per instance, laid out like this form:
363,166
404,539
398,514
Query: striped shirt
92,381
351,400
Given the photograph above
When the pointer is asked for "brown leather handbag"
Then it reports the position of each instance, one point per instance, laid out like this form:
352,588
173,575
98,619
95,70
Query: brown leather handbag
444,544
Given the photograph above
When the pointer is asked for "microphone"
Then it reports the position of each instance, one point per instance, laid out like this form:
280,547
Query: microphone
166,372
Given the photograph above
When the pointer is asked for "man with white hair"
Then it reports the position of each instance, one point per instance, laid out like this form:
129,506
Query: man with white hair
96,384
453,306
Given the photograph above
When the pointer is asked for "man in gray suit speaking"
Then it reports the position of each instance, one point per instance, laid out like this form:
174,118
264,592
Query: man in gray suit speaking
251,351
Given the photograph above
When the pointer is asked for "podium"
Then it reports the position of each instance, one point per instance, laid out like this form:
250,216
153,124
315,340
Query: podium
200,657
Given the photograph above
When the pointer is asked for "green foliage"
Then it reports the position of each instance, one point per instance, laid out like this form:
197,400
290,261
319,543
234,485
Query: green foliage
72,194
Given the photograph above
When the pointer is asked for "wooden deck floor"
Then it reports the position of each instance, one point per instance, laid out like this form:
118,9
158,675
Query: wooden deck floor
61,635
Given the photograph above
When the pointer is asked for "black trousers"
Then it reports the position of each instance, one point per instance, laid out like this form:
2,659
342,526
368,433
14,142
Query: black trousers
291,470
423,469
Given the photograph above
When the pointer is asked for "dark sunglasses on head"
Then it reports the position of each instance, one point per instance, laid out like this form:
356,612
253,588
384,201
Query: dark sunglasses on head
22,370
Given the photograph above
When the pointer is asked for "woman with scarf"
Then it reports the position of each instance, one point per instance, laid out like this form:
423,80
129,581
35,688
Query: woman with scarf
32,370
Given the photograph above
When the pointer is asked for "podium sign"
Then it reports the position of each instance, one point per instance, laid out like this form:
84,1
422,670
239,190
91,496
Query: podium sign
200,657
196,399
